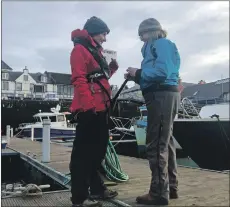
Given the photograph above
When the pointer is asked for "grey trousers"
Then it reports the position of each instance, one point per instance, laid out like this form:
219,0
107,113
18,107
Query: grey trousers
162,107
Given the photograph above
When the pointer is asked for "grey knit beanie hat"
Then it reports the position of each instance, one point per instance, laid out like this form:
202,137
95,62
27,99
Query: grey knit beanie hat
147,25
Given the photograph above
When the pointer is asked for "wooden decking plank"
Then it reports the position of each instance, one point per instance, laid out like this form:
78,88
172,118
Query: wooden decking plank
196,186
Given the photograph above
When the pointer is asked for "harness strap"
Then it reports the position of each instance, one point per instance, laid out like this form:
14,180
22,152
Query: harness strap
104,67
103,71
97,80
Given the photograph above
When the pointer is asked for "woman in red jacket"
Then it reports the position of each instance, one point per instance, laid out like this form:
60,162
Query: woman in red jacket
90,104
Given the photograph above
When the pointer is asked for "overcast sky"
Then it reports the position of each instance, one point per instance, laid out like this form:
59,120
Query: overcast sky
37,34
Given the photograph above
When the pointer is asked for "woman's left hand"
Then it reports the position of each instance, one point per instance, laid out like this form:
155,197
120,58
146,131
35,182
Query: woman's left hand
113,64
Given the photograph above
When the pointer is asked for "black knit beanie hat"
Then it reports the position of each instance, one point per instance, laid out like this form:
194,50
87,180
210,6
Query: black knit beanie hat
95,26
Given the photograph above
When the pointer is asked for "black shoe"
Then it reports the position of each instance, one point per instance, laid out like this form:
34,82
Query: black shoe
106,194
147,199
88,203
173,194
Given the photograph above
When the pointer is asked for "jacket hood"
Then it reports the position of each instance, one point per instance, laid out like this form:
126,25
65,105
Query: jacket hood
82,34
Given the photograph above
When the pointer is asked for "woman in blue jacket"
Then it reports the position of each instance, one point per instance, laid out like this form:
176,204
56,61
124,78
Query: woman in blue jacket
158,80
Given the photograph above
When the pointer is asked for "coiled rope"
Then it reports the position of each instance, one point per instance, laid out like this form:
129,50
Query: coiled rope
28,190
111,165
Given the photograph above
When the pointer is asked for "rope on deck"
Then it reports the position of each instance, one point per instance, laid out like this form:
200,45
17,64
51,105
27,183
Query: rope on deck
111,165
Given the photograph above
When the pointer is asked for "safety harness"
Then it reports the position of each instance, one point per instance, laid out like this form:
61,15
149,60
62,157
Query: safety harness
102,72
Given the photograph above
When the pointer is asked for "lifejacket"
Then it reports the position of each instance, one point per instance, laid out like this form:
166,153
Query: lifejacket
103,72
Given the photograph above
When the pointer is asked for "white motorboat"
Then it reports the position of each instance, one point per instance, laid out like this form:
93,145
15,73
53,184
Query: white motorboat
59,127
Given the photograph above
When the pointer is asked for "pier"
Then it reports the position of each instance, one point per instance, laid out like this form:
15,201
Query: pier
197,187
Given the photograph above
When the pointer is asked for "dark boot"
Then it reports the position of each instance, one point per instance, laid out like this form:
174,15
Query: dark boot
88,203
147,199
106,194
173,194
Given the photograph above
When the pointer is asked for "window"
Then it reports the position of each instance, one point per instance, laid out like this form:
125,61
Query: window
60,89
38,89
37,119
65,89
43,79
52,118
25,77
5,85
18,86
44,117
60,118
32,87
5,76
55,88
69,90
72,90
45,88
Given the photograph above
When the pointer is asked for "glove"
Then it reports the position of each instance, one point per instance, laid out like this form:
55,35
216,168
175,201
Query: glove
113,64
127,76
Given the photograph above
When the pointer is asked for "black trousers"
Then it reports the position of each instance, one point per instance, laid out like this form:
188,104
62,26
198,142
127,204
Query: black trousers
89,149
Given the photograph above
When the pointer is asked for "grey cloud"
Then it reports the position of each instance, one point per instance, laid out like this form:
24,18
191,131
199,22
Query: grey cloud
212,73
55,60
41,31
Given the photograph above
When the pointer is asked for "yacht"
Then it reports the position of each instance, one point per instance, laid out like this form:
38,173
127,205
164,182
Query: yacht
204,137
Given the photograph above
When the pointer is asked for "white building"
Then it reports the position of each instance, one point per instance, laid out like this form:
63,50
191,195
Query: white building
23,84
47,85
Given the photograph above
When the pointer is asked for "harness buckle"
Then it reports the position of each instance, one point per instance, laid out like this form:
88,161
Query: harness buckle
92,86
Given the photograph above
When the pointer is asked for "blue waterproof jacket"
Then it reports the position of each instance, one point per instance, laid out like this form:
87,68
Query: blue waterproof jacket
160,65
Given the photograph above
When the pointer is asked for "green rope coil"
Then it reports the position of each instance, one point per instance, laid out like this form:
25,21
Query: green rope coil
111,165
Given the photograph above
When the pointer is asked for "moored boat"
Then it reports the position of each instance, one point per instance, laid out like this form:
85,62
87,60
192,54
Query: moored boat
204,138
59,127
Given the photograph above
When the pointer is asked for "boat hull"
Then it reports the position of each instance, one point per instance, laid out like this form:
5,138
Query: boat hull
140,132
206,141
64,134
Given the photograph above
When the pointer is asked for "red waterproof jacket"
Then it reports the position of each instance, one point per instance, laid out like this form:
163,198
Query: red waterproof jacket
87,95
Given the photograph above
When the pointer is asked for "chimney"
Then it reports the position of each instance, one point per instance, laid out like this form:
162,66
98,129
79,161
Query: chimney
25,70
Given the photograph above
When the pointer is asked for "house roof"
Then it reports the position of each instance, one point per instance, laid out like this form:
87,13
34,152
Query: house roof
59,78
52,78
5,66
13,75
36,76
208,90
